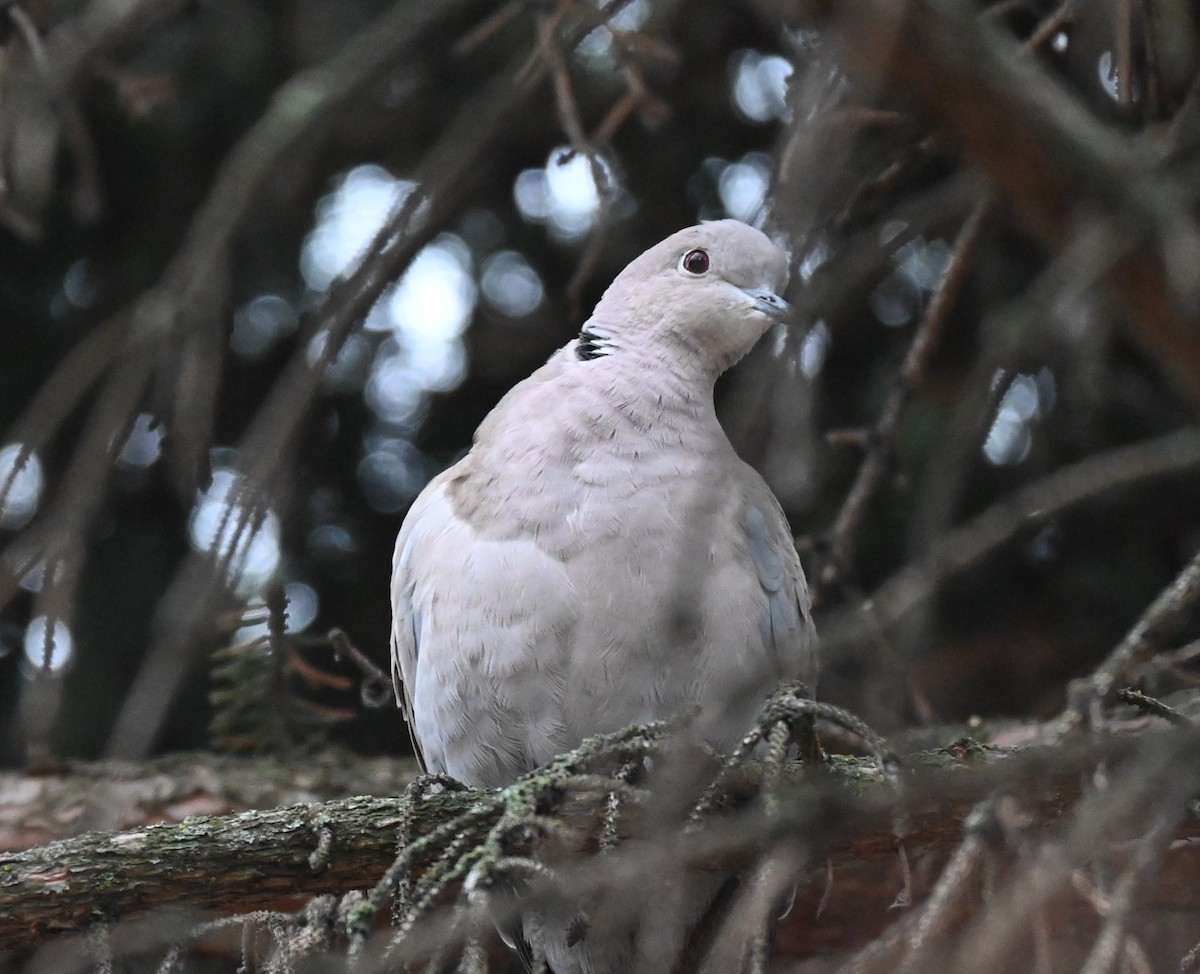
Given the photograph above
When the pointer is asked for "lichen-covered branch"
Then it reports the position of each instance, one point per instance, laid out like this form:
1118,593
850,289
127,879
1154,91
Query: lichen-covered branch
227,863
247,861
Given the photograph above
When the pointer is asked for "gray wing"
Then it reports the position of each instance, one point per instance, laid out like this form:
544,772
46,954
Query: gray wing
405,626
786,625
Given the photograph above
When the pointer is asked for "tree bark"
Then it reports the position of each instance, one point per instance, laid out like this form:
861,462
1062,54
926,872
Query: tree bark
249,860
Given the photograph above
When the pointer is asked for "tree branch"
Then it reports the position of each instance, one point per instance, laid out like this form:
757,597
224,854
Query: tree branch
968,545
980,88
244,862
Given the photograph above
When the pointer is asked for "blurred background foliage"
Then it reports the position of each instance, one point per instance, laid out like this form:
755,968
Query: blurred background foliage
204,358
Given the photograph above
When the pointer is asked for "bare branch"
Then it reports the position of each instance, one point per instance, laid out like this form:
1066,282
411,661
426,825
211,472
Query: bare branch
246,861
966,78
879,440
968,545
1161,620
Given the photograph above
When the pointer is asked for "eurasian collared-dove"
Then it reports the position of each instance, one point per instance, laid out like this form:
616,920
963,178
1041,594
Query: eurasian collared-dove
601,556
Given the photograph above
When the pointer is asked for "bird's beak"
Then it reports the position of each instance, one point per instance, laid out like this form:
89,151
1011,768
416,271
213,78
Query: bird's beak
768,302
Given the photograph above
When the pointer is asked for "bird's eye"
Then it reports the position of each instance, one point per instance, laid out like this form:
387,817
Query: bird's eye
695,261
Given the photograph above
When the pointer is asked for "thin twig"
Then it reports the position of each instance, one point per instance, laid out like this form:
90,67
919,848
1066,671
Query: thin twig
88,192
376,685
1153,68
875,465
1162,776
489,26
1124,55
629,41
1158,623
564,95
569,117
272,437
1109,947
1053,496
1052,25
945,900
1152,706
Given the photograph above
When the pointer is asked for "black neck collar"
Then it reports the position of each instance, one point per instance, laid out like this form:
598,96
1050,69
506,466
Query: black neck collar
593,346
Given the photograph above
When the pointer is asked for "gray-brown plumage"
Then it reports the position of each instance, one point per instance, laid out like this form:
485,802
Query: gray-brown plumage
601,556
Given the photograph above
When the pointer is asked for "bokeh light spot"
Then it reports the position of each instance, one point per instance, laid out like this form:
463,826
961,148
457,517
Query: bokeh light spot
143,446
222,526
20,486
574,197
743,186
759,85
427,314
79,284
1026,400
302,605
510,285
814,350
260,323
347,220
392,473
48,649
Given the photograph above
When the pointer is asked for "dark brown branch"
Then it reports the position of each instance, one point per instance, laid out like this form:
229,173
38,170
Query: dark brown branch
1029,869
551,51
296,114
1160,622
78,42
269,442
1052,24
1150,705
1112,942
968,545
1012,333
564,94
967,79
240,863
1096,837
489,26
250,860
879,441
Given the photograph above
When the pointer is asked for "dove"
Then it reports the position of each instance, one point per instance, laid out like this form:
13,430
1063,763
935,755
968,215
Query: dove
601,556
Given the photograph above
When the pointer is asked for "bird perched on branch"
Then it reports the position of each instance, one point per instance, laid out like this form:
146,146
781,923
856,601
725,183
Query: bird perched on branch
601,556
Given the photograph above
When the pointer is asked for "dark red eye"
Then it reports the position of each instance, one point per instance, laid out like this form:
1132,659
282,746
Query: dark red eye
695,261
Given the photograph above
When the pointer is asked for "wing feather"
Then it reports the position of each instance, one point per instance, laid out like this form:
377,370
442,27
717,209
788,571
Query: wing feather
786,624
405,625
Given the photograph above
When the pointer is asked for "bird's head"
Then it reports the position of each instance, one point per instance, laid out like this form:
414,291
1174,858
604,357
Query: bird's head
711,291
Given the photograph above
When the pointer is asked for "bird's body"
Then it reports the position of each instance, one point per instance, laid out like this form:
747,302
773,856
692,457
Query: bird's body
601,556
